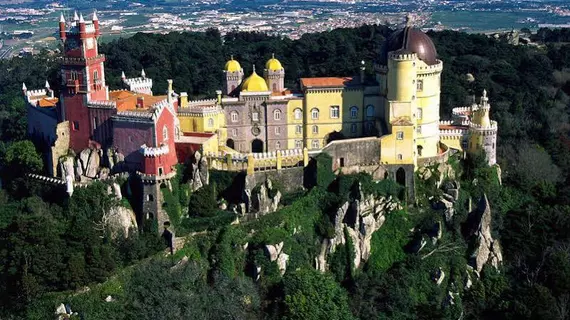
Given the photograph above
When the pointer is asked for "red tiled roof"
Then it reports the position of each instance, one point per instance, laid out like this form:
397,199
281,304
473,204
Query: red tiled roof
127,100
325,82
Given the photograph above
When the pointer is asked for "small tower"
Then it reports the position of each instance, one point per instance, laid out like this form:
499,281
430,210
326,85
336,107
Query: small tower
483,131
274,75
233,75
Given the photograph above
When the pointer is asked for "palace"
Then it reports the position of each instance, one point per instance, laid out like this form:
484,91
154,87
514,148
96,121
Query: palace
255,123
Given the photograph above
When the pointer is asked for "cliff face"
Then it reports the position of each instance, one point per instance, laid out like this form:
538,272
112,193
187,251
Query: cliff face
357,219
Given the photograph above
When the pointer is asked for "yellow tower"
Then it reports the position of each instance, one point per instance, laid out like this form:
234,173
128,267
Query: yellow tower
483,131
409,74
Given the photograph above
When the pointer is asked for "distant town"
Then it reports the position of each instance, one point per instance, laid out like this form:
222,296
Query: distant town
26,27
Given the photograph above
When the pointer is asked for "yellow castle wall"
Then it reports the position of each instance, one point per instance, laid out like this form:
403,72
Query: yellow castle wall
321,100
292,123
391,147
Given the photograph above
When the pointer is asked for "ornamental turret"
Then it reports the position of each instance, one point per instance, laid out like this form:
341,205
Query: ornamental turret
483,131
274,75
62,35
233,76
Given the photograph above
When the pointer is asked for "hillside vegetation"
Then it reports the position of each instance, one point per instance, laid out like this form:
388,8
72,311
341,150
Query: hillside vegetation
51,246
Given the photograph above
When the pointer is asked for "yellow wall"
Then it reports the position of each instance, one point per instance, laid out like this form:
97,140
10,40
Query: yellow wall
199,123
292,123
391,147
322,100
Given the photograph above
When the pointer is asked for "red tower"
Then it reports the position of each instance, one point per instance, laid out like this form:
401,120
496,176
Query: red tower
83,78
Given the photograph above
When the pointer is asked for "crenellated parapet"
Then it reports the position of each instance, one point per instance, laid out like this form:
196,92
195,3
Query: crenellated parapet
154,151
139,85
403,56
102,104
262,161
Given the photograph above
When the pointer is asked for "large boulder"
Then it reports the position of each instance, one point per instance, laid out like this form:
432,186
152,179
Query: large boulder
263,201
477,230
360,218
199,175
67,167
120,221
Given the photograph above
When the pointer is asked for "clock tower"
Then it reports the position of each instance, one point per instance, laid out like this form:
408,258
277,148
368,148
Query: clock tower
83,77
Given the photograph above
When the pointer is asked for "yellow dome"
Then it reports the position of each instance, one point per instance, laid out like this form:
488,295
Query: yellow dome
232,65
254,83
273,64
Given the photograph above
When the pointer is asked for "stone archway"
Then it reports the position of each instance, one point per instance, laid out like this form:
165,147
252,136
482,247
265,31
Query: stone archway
256,146
230,143
401,176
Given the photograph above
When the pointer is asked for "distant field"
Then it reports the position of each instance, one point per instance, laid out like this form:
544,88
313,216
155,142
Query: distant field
475,21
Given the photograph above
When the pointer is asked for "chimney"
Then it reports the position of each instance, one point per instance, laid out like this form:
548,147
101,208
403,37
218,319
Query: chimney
183,100
219,96
140,102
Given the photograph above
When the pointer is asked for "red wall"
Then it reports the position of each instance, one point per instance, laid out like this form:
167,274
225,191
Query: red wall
168,161
75,110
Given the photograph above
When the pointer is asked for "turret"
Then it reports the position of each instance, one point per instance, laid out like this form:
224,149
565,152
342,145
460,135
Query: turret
62,34
49,91
233,76
95,20
82,28
123,76
274,75
75,17
143,74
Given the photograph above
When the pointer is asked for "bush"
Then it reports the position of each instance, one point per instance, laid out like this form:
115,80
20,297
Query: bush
202,202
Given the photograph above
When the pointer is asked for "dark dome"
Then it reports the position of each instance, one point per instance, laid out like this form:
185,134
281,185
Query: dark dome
410,39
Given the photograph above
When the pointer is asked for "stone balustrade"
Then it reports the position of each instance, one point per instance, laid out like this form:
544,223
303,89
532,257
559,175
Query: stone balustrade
275,160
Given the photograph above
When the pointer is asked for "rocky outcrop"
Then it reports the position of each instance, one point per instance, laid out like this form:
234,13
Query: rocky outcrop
275,253
199,174
120,221
447,200
477,230
263,200
360,219
64,312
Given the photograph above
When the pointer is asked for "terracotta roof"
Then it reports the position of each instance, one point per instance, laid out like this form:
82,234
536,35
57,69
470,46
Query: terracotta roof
127,100
402,122
48,102
325,82
451,127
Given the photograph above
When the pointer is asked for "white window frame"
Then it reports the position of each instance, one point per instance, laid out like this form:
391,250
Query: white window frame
298,144
335,112
277,131
164,133
234,115
276,114
234,132
315,114
298,114
419,113
419,129
210,122
400,135
315,130
420,85
316,144
255,116
277,145
299,129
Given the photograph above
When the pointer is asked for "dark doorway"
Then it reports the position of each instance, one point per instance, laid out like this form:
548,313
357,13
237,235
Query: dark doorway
230,143
341,162
257,146
401,176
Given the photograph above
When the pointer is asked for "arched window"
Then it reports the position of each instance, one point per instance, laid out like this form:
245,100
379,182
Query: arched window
277,145
277,114
95,75
298,144
354,112
335,112
370,111
210,122
298,114
315,113
315,129
420,113
164,133
234,116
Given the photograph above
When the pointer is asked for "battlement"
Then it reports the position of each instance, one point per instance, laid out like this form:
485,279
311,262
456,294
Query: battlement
493,126
264,161
102,104
82,61
461,110
139,85
403,56
154,152
464,123
453,132
431,68
194,103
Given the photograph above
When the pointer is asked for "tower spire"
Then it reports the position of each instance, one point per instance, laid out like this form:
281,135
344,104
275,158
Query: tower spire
24,88
81,20
123,75
254,68
75,16
409,20
47,85
143,74
95,18
61,18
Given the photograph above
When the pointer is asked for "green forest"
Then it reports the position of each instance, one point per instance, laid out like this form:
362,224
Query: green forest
53,249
